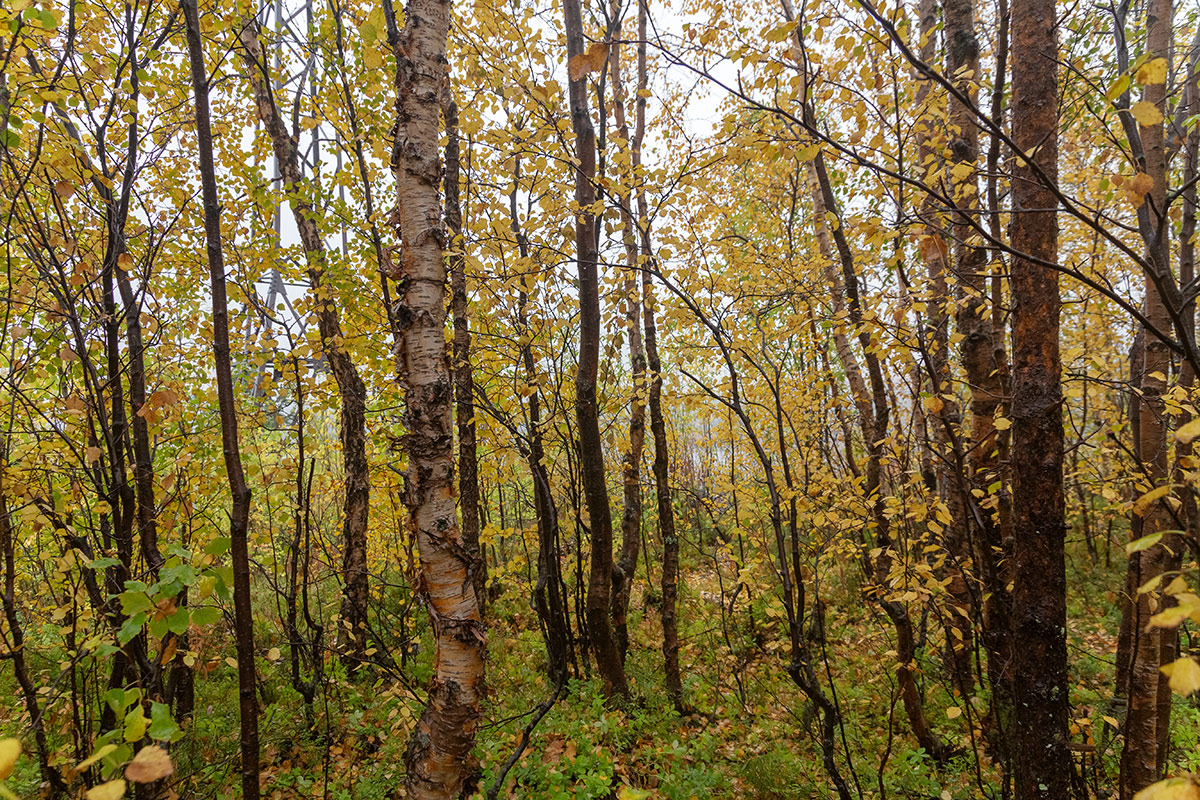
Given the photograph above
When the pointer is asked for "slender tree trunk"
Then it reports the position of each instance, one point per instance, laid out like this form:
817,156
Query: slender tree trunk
464,381
439,762
550,592
871,401
14,644
352,391
945,418
1139,760
631,519
1042,762
587,412
239,517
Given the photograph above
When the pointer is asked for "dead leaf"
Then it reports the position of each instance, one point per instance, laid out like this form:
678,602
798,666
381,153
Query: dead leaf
150,764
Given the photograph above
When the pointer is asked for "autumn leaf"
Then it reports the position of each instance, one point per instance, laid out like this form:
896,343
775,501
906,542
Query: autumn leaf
10,751
1142,503
1171,789
1184,675
1146,114
94,757
1188,431
1152,72
953,712
150,764
591,61
112,790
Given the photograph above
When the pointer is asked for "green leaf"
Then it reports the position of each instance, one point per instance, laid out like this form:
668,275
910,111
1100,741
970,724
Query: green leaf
1144,543
134,603
162,727
131,628
205,615
177,623
219,546
135,724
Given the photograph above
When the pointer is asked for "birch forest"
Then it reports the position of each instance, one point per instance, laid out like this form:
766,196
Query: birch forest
616,399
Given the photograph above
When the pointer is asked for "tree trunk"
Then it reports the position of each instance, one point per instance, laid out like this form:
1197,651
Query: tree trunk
631,519
587,412
550,592
239,517
353,393
1041,759
464,381
1139,760
439,762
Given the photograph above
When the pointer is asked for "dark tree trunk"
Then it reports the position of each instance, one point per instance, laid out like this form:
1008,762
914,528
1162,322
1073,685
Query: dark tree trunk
1041,760
239,517
353,393
587,412
464,381
631,472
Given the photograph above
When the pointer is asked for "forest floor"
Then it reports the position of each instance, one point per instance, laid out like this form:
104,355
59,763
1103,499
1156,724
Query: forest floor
749,736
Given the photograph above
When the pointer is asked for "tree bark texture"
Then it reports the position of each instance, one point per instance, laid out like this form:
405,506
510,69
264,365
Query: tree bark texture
439,762
1040,756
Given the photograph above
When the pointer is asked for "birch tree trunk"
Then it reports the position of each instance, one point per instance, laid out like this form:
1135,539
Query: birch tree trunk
438,761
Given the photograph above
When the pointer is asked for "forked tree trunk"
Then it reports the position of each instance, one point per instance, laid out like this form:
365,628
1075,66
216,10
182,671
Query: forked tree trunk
239,517
587,412
352,392
439,762
871,402
1040,756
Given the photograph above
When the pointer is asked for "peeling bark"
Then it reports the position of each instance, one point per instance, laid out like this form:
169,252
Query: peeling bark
439,762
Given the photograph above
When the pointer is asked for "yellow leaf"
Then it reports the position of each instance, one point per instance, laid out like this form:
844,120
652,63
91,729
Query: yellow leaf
113,790
232,662
1184,674
953,712
10,751
1152,72
1188,431
273,654
933,404
1143,502
1003,423
94,757
629,793
1170,789
150,764
1147,114
591,61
